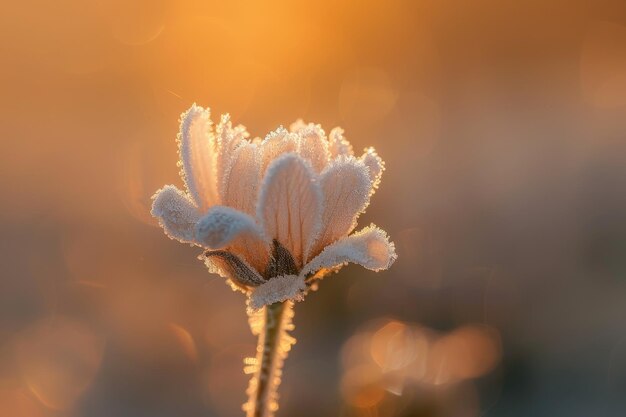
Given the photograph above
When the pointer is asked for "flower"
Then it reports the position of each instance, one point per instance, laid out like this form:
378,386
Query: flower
275,215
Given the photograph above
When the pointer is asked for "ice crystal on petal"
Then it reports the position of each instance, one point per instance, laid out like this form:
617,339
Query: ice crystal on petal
369,247
277,289
297,125
338,145
376,166
177,214
197,149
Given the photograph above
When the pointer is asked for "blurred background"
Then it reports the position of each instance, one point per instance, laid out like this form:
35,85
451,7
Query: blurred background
503,127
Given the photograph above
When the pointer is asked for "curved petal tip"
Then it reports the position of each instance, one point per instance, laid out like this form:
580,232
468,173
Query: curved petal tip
369,247
176,213
221,225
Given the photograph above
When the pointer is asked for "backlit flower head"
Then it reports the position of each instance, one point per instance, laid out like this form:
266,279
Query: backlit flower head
274,215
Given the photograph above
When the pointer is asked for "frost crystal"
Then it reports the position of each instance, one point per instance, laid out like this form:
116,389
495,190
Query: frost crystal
196,147
221,225
176,213
338,145
375,165
278,289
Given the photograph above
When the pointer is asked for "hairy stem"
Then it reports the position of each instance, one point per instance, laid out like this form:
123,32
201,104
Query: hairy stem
272,349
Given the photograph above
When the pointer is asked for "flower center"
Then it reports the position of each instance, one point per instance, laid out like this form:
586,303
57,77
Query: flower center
281,263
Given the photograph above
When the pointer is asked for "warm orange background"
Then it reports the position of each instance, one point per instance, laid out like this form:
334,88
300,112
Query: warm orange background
503,127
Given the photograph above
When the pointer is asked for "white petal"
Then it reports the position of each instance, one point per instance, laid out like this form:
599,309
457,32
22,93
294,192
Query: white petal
290,205
242,179
369,247
196,146
275,144
338,145
346,187
228,140
278,289
177,214
225,227
375,165
314,146
221,225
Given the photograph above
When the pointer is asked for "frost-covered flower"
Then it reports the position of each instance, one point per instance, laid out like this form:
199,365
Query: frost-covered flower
275,215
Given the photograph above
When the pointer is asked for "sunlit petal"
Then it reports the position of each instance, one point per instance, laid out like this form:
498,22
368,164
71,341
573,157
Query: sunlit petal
222,225
346,187
275,144
297,125
314,146
338,145
225,227
375,165
197,148
242,180
369,247
176,213
228,140
290,205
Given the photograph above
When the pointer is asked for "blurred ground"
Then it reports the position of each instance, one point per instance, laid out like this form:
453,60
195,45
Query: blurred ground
502,125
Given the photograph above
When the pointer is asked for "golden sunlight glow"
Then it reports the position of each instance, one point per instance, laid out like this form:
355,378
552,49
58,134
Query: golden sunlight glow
391,356
58,359
502,125
185,341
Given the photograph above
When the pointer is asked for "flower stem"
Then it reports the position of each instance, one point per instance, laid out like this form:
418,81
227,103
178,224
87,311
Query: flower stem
273,346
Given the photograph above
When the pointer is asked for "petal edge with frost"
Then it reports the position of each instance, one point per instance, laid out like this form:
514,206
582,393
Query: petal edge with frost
297,125
278,289
176,213
376,166
226,227
314,146
369,247
221,225
276,143
346,187
196,146
338,145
